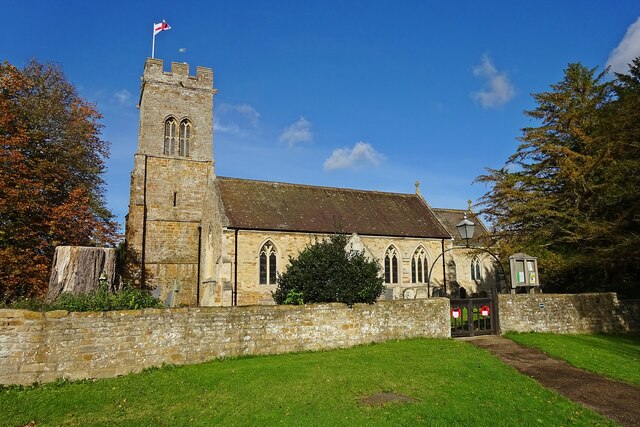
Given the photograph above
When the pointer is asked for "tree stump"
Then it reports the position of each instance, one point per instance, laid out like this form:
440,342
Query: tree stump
77,270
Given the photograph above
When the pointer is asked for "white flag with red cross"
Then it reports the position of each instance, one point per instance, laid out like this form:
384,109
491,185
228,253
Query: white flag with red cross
160,27
163,26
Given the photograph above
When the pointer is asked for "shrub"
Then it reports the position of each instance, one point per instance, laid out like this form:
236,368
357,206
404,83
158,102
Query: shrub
101,299
294,298
325,272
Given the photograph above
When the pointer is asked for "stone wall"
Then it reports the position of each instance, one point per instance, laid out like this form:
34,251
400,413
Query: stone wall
290,244
568,313
45,346
458,264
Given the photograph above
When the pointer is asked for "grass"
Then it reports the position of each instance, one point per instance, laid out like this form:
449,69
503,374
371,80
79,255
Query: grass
453,383
617,357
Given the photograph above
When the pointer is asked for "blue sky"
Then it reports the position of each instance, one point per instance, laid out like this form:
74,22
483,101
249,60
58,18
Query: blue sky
361,94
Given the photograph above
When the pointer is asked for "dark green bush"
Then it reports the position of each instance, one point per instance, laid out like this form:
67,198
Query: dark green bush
325,272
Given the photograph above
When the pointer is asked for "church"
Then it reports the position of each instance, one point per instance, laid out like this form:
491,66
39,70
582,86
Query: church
200,239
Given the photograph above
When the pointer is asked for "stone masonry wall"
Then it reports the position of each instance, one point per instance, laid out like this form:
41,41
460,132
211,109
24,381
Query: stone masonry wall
568,313
174,211
290,244
459,270
45,346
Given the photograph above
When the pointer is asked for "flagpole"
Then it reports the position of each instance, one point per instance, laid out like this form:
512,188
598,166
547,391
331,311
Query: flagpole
153,44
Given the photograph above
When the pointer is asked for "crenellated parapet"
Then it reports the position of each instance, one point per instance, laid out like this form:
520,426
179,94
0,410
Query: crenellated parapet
179,74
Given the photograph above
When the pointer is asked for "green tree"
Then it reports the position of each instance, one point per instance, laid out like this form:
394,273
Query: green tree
569,193
618,176
325,272
51,161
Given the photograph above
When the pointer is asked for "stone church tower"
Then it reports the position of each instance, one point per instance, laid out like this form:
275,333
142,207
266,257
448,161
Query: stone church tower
173,168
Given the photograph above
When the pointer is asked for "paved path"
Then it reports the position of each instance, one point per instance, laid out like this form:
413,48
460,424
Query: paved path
613,399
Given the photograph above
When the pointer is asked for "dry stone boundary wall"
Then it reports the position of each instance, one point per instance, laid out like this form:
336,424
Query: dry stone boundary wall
42,347
568,313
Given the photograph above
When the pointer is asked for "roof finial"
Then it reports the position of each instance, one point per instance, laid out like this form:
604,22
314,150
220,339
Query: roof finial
470,204
418,188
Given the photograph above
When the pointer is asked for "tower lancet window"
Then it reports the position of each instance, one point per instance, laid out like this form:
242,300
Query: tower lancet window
177,139
170,127
185,138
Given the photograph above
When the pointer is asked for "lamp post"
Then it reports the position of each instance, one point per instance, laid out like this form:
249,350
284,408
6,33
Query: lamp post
466,229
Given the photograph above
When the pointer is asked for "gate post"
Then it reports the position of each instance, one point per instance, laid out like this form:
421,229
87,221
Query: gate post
495,304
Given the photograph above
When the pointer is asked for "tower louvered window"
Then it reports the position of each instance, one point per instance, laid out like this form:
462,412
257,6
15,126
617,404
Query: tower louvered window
170,128
185,138
268,264
391,265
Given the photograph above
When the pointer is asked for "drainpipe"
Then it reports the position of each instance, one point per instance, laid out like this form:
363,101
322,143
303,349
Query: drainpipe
198,272
444,270
144,226
235,269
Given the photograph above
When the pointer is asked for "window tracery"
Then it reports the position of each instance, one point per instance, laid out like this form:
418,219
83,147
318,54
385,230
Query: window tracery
185,138
268,264
419,266
391,265
476,269
170,126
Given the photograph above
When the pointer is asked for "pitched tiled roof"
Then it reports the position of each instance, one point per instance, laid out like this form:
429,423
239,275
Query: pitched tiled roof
452,217
263,205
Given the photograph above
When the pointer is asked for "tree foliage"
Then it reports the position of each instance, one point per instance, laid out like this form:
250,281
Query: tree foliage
325,272
51,161
570,194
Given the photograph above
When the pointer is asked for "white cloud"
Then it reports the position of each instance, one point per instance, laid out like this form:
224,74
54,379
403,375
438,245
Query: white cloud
627,50
346,158
230,128
244,110
298,131
498,89
235,119
122,96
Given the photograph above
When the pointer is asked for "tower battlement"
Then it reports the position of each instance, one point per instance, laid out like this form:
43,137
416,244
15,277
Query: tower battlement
179,74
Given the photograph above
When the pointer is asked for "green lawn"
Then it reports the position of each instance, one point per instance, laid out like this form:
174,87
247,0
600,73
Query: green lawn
453,383
616,357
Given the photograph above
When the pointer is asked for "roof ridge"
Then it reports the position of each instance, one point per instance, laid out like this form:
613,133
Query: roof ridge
355,190
453,210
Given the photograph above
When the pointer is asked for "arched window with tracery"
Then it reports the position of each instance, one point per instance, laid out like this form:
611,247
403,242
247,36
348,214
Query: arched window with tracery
476,269
391,265
419,266
268,264
170,129
185,138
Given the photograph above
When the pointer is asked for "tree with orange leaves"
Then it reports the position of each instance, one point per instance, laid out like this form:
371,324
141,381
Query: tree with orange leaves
51,162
